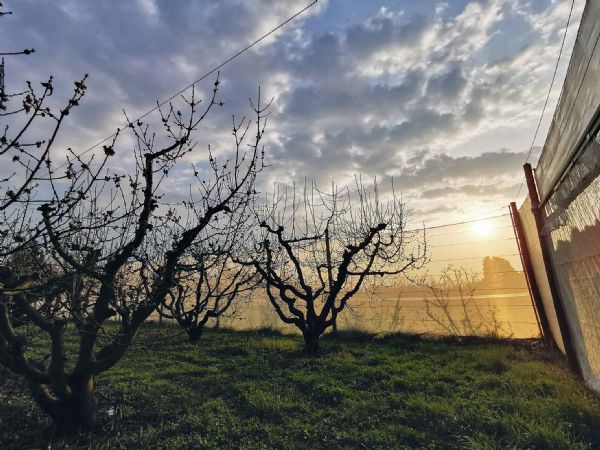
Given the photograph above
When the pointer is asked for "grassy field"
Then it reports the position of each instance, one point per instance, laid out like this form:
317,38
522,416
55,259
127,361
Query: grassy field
256,390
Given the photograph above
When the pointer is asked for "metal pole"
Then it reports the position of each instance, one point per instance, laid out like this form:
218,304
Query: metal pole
556,300
536,298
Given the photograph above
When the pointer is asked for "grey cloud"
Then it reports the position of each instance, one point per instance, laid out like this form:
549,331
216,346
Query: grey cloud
448,85
471,190
441,168
350,101
331,116
380,32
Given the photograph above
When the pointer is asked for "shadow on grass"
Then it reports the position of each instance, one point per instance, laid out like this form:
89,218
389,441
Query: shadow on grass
259,389
22,424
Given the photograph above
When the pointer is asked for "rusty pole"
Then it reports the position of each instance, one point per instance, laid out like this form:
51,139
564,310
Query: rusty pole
556,300
536,298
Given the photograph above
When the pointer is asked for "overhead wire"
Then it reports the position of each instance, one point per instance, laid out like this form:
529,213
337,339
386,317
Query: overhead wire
464,231
434,275
463,222
204,76
472,242
577,154
472,257
537,129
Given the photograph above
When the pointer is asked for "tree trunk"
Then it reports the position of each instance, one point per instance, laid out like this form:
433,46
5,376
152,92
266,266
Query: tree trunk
75,411
311,342
195,333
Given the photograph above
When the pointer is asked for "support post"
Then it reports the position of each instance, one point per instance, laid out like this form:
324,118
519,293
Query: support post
534,292
556,300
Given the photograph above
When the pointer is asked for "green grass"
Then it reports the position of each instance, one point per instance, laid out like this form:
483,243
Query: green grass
257,390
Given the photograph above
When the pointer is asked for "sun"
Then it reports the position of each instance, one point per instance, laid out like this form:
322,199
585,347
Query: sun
482,228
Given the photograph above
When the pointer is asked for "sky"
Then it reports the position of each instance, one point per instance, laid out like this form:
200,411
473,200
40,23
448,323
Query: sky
443,97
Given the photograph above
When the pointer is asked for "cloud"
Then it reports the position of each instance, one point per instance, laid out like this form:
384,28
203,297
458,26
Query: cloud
446,86
471,190
392,92
441,168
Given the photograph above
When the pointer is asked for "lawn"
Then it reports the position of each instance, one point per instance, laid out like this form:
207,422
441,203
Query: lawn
257,390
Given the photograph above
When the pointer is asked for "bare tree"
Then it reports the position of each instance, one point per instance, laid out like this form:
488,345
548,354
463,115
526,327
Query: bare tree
28,135
209,282
99,228
4,95
454,307
317,250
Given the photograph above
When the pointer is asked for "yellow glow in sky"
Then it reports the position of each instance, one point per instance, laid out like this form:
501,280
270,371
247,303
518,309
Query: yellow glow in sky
482,228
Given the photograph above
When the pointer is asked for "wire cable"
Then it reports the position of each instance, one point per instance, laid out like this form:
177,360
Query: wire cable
207,74
472,242
537,129
466,232
457,223
473,257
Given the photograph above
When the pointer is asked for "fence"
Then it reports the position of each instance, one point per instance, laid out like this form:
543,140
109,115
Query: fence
568,183
532,243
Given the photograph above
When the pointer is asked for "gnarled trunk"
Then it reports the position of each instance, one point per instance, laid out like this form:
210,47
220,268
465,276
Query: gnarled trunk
311,341
195,333
78,411
75,410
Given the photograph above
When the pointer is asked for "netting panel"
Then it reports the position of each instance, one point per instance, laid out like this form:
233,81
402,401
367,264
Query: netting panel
539,270
578,103
576,260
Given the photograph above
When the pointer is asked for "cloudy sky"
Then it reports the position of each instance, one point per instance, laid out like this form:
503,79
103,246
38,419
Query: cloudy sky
443,96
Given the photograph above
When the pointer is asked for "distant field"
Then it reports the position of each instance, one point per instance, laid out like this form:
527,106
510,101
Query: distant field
487,312
256,390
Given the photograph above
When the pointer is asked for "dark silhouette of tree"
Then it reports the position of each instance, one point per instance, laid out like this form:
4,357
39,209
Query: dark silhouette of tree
499,272
454,308
317,250
27,139
208,281
26,267
99,231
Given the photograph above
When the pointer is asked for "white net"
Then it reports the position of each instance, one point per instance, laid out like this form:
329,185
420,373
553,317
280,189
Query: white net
578,104
539,270
576,261
569,188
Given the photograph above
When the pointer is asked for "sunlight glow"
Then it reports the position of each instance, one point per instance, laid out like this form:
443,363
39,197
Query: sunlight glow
482,228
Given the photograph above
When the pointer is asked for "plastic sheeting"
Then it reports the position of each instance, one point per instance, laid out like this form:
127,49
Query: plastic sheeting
577,106
576,261
583,171
568,180
539,270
